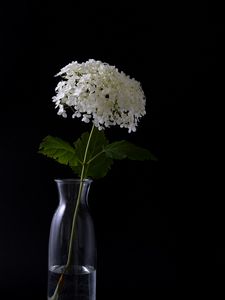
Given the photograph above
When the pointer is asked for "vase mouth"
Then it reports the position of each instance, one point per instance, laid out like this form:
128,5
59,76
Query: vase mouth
72,180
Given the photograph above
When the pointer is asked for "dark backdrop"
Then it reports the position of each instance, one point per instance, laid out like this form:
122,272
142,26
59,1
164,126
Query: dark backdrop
139,209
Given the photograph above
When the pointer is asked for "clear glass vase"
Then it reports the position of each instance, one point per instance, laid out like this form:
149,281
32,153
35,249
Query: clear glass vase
72,245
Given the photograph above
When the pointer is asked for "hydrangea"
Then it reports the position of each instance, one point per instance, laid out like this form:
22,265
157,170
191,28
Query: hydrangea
98,92
95,92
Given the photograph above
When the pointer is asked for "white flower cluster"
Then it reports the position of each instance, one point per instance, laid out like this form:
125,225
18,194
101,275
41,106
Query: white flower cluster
98,92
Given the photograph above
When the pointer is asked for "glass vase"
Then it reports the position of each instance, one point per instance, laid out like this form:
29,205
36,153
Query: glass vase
72,245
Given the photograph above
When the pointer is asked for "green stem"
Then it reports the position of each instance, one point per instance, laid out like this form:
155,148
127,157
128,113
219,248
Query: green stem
73,229
72,235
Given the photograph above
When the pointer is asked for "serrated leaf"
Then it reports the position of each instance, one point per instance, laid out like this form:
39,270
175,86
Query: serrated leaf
99,163
59,150
123,149
98,141
98,168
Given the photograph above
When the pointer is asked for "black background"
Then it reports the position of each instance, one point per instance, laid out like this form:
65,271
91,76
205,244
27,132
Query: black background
142,211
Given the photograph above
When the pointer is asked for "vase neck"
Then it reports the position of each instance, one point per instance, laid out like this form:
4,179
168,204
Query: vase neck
69,188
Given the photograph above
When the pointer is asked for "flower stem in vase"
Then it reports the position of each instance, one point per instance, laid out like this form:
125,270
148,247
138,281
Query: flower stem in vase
59,285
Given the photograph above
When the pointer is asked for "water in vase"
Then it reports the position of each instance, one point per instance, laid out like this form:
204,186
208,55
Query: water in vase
78,284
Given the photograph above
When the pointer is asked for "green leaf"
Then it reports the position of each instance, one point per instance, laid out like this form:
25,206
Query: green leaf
59,150
123,149
98,168
97,163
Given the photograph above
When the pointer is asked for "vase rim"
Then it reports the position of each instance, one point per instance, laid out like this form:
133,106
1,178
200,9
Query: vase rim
72,180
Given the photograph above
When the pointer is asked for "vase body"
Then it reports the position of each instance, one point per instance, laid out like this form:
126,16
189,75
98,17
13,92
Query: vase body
72,245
